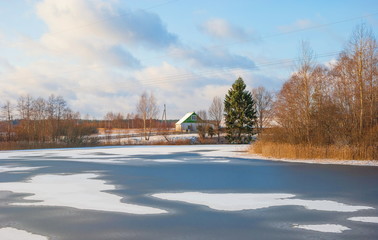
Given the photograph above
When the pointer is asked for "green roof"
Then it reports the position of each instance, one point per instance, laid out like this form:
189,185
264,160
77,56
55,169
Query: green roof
190,117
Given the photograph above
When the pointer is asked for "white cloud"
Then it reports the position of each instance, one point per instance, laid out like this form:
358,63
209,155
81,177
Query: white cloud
297,25
221,29
5,66
90,54
102,22
166,76
212,58
331,63
85,55
98,32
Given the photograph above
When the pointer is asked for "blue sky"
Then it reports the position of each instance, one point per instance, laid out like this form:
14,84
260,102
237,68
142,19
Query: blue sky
101,55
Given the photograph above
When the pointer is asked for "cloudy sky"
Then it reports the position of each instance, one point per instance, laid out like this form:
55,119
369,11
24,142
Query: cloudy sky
100,55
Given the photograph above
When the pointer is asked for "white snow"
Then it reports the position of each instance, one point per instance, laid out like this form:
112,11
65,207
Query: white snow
252,201
166,160
80,191
15,234
327,228
132,153
317,161
16,169
118,155
364,219
220,161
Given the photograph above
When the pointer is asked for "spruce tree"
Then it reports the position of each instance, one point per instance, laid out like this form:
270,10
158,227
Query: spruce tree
240,113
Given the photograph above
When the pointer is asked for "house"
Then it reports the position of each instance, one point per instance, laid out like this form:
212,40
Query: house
189,122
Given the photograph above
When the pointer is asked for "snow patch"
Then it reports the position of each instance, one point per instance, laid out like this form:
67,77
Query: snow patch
167,160
364,219
15,234
119,155
370,163
252,201
17,169
327,228
80,191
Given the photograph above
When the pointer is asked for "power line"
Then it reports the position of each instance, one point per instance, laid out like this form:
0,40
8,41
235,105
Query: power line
283,62
185,76
270,36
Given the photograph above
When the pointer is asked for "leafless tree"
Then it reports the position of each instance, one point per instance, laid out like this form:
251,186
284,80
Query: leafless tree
39,118
216,114
25,111
148,109
7,115
362,53
264,104
294,104
306,66
203,123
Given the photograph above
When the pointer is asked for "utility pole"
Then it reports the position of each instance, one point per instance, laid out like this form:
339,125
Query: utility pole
164,117
164,124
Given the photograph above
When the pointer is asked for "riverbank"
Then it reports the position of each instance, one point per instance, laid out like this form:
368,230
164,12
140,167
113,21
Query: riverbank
318,161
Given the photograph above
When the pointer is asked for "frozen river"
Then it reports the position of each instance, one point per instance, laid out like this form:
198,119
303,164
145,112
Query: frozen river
181,192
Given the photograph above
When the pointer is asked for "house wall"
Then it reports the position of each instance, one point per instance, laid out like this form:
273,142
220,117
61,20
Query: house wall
186,126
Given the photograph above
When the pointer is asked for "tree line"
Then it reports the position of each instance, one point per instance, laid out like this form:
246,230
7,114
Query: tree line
39,120
335,105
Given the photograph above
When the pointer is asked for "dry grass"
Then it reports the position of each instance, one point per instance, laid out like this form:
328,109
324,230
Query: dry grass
301,151
175,142
24,145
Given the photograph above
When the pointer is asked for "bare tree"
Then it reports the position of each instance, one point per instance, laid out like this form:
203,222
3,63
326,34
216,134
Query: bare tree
264,104
39,117
294,104
25,111
362,52
148,110
203,123
216,114
306,66
7,114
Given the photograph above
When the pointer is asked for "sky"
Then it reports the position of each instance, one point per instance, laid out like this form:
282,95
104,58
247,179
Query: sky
101,55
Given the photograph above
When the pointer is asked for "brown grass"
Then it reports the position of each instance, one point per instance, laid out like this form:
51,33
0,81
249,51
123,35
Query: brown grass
302,151
176,142
24,145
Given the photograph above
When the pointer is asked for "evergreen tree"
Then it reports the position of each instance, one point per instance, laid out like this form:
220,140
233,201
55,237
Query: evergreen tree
240,113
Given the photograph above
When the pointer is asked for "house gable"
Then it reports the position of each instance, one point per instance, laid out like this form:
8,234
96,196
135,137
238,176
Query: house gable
190,117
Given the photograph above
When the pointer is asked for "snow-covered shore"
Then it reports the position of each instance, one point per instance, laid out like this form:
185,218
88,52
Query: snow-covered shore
318,161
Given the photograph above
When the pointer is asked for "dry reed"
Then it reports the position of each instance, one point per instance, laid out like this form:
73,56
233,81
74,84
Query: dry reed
302,151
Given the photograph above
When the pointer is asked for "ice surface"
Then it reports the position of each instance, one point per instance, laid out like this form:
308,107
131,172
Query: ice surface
167,160
364,219
16,169
80,191
327,228
116,155
252,201
15,234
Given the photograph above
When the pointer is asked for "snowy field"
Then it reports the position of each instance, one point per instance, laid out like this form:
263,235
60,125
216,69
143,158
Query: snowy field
181,192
